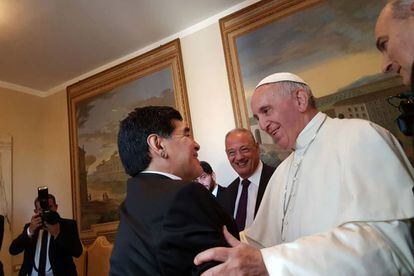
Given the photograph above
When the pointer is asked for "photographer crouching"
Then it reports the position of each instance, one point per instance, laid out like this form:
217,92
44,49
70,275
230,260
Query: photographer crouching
49,242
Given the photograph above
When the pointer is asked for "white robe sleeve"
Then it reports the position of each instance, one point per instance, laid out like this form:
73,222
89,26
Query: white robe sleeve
363,248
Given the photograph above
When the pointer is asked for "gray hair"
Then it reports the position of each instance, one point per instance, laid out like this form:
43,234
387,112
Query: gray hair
401,9
287,87
241,130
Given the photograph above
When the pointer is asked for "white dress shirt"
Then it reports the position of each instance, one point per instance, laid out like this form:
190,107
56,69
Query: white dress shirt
251,196
49,271
214,191
169,175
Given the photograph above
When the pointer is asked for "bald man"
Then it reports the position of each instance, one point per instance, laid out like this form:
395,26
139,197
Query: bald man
394,33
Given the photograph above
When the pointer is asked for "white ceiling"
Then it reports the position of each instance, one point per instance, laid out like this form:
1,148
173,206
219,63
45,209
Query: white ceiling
48,44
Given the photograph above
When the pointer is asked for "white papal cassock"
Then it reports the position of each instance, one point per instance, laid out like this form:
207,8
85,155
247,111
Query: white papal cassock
345,196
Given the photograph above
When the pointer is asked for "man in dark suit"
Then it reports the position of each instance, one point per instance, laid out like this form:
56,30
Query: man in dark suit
242,197
165,219
60,241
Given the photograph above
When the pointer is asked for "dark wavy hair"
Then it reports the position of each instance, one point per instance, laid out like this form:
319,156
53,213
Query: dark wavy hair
49,196
206,167
134,130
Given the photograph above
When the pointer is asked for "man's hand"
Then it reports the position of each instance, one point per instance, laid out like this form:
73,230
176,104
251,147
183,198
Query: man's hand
240,259
35,223
53,229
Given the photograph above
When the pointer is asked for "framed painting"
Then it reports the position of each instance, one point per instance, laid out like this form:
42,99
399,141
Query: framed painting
329,43
96,105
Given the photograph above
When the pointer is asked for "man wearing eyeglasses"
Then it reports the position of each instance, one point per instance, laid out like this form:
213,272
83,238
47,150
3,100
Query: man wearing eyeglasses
242,197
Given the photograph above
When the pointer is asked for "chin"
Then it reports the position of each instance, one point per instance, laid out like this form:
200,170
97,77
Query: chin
406,82
242,171
406,77
283,146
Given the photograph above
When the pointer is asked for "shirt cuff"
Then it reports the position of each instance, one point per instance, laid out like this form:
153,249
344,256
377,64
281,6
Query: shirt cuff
30,234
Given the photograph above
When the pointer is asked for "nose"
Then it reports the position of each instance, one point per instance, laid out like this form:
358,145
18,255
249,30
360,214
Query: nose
196,146
238,155
263,124
387,65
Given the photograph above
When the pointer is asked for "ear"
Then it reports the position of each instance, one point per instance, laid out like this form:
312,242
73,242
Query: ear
301,99
412,7
155,144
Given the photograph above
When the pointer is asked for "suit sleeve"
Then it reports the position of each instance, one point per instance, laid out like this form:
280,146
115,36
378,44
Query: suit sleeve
68,239
193,223
21,243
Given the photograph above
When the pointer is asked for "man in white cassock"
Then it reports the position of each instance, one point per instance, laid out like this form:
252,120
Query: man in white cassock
340,204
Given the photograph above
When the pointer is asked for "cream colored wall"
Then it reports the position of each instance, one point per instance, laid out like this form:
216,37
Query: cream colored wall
209,97
40,152
21,116
56,165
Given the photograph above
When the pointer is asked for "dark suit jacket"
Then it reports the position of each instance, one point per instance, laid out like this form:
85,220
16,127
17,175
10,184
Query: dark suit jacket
164,224
61,249
227,196
220,189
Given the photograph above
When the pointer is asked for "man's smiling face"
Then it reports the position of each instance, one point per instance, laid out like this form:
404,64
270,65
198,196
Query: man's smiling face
243,153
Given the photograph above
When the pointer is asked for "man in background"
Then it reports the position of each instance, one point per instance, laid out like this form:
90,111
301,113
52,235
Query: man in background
208,178
48,248
394,33
242,197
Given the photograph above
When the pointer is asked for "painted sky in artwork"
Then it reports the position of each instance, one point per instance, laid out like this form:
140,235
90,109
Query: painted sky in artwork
330,45
98,119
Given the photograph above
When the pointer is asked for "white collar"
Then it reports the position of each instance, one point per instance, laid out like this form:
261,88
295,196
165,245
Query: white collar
309,131
174,177
255,177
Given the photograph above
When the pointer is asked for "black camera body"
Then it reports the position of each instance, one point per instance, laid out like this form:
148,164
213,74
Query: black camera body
47,215
406,120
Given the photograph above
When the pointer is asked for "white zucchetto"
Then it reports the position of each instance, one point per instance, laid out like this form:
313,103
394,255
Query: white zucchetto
279,77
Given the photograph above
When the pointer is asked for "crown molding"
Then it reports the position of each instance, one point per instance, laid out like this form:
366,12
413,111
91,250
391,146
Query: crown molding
23,89
186,32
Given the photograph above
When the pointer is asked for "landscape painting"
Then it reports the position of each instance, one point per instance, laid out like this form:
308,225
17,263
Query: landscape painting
96,106
330,44
102,182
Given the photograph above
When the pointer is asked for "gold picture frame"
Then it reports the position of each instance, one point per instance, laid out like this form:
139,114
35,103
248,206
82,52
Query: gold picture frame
95,106
329,43
240,23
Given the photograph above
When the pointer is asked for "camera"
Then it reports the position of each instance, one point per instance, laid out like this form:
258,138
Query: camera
47,215
405,121
406,107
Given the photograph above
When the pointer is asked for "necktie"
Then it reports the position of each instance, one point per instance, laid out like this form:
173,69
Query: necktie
43,254
241,209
